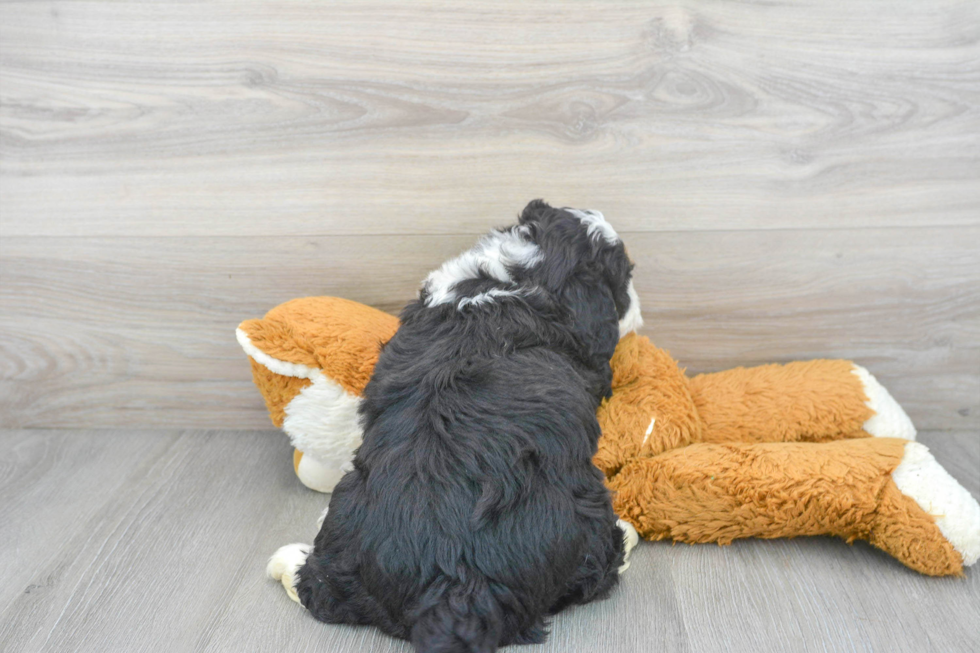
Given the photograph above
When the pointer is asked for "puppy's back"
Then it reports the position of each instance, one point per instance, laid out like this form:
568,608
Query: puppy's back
478,501
474,509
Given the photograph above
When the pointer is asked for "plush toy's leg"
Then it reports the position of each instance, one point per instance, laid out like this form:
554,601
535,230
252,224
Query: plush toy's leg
811,401
889,492
314,474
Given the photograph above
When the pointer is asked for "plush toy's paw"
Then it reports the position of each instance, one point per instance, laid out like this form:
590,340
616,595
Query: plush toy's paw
956,512
630,539
315,475
889,420
284,565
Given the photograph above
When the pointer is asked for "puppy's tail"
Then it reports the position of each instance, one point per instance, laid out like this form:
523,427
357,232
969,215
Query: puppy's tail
458,616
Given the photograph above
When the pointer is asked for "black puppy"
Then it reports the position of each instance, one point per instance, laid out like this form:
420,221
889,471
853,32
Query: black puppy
473,509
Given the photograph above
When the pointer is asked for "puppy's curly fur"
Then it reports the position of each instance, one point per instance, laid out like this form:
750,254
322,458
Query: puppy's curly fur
474,510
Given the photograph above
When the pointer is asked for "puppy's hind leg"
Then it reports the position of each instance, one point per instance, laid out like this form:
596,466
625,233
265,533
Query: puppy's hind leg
599,570
284,566
630,540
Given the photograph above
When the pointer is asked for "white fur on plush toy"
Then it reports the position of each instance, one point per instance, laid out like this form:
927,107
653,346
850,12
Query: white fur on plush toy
321,421
318,476
956,512
889,420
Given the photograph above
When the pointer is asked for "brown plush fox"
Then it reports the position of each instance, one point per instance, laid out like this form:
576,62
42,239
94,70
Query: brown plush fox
808,448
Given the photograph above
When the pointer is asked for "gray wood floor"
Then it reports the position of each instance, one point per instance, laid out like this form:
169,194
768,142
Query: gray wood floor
157,540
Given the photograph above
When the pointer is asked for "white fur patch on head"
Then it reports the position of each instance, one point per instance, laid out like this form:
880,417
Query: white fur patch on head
492,255
957,513
633,318
487,297
889,420
596,224
284,565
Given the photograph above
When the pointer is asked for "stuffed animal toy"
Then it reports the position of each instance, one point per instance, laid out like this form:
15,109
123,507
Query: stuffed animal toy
807,448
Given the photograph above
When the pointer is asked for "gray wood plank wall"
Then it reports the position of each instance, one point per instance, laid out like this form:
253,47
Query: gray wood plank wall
794,180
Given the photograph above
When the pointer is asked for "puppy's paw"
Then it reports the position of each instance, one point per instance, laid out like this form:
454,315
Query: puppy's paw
284,565
630,539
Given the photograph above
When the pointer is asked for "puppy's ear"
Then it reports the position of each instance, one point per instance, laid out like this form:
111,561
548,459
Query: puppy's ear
617,270
599,296
536,211
595,320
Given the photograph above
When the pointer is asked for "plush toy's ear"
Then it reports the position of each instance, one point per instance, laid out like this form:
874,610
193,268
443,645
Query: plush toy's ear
311,359
339,337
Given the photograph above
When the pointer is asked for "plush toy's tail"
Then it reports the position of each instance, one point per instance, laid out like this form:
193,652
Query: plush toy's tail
890,492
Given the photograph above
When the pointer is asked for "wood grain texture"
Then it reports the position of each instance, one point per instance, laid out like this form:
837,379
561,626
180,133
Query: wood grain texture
305,118
119,541
139,331
792,182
